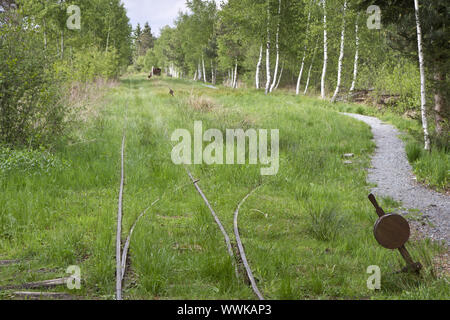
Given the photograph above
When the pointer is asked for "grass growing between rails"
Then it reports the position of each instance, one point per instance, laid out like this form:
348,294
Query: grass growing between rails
307,230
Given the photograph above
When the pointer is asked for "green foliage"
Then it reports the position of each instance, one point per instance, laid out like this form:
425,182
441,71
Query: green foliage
88,64
401,78
28,161
31,112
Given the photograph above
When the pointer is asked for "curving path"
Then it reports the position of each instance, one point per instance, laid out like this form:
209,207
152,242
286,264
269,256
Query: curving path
392,174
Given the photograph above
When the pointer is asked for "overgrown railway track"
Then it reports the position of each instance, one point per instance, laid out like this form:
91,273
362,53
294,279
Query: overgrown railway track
235,258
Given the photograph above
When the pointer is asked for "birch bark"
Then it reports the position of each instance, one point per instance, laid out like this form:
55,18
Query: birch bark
341,57
297,90
310,68
258,67
325,50
268,73
355,66
204,70
423,100
277,45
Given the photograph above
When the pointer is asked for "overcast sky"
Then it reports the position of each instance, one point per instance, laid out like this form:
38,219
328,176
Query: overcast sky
158,13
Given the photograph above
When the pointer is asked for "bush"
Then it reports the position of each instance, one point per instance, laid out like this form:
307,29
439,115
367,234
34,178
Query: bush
31,112
88,64
28,161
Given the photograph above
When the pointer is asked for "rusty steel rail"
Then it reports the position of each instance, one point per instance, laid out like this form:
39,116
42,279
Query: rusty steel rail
241,247
127,242
218,222
119,227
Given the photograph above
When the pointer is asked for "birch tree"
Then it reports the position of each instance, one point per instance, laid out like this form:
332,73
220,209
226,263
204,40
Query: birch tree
203,70
281,75
310,69
277,45
268,72
423,100
355,65
325,50
297,90
341,56
258,67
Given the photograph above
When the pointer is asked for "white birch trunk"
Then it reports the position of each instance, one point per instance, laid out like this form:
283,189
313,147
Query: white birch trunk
341,57
355,66
258,66
268,73
281,74
423,100
232,77
235,76
297,90
200,75
277,44
195,76
204,70
325,50
310,69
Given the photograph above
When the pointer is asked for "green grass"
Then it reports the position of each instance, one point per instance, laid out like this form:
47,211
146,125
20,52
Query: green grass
431,168
307,231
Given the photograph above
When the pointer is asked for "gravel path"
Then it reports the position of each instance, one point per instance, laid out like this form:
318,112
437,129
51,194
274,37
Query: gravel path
392,174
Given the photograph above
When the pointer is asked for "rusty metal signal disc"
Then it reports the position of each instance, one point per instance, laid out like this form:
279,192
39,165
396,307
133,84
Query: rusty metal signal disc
392,231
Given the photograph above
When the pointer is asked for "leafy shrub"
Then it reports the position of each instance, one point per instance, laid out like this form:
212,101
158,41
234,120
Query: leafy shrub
28,161
89,64
31,112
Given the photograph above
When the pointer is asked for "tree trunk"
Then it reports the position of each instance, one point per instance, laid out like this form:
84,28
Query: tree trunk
258,66
204,70
355,66
62,44
310,68
439,102
297,90
277,44
200,75
212,73
422,79
341,57
107,40
235,76
325,50
281,74
268,73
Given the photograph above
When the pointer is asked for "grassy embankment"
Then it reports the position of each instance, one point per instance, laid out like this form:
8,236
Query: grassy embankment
307,230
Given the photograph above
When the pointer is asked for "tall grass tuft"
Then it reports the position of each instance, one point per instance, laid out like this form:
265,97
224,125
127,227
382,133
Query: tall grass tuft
325,222
413,151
